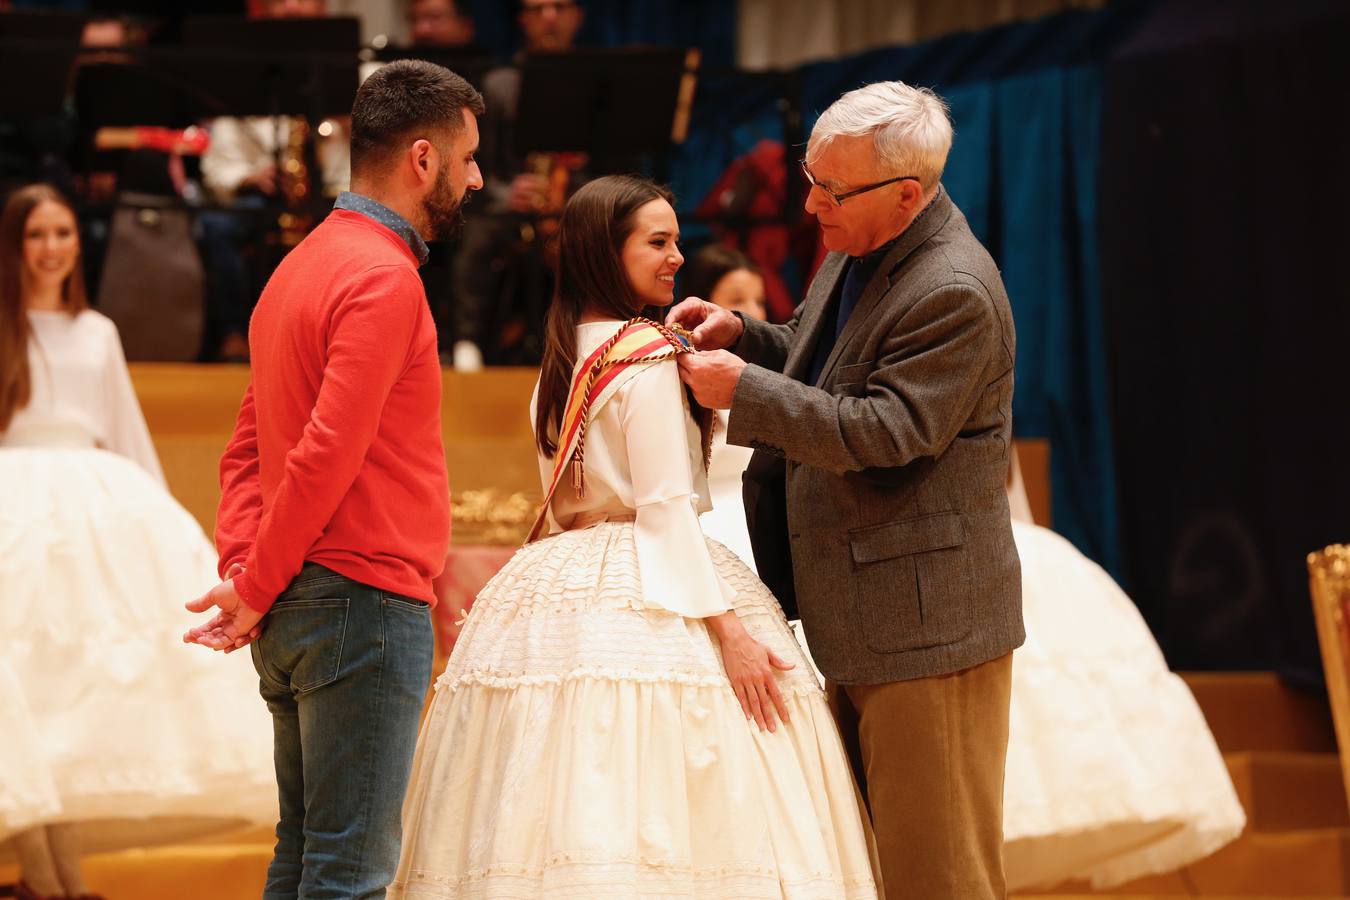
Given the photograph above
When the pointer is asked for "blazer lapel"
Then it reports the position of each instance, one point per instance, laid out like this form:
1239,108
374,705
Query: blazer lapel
823,287
919,231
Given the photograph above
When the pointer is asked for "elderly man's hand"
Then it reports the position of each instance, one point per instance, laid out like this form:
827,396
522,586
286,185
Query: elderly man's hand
714,328
712,375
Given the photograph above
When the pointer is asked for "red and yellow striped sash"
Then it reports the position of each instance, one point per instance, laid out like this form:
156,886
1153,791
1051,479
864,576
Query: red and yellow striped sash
594,380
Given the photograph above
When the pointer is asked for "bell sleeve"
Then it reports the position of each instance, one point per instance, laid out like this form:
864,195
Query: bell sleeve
125,431
676,569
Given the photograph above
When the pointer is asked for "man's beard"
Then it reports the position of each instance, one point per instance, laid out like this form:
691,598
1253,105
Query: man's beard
444,211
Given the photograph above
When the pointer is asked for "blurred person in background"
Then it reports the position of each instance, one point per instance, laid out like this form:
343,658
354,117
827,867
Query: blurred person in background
500,260
439,23
240,173
727,277
104,720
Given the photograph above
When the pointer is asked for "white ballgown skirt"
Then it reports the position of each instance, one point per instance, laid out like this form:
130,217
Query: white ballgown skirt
109,719
581,746
1113,773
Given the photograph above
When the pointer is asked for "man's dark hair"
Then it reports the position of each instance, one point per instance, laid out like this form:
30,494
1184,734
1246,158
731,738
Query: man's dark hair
407,96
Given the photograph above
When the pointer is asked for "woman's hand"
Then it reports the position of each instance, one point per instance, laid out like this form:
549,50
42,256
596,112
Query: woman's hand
750,667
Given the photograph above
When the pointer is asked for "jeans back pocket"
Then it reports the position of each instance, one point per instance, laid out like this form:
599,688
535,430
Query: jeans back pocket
300,648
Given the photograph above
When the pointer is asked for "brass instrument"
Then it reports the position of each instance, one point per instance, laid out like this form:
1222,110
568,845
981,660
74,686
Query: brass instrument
296,220
684,103
556,169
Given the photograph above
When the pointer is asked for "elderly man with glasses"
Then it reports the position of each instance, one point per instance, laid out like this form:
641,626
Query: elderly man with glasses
881,416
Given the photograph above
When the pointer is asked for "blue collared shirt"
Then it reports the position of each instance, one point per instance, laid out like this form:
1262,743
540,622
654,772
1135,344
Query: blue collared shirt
362,204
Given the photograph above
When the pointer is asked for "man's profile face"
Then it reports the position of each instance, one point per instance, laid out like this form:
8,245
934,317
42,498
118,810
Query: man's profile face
860,224
457,176
550,25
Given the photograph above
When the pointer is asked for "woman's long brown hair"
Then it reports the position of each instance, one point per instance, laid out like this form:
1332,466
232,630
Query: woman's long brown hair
16,382
595,225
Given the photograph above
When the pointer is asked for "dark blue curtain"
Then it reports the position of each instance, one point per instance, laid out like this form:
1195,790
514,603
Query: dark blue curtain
1224,196
1024,169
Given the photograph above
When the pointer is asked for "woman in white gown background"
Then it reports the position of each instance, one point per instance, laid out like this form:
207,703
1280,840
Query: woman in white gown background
111,727
1113,773
626,713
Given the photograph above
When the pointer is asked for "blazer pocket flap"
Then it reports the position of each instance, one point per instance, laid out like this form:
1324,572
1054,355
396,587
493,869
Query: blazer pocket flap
879,542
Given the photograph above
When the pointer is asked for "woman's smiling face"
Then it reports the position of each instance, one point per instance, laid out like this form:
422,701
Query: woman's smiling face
651,255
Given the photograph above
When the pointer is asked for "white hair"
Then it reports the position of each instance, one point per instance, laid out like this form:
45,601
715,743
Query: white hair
910,127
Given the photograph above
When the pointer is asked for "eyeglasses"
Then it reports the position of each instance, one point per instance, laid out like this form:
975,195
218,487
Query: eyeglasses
840,198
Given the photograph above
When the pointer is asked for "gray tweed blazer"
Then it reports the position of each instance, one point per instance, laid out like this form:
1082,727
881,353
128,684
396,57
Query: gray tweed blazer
878,493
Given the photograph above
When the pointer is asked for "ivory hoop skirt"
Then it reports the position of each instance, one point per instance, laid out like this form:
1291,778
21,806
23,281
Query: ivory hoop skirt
1113,773
109,719
580,745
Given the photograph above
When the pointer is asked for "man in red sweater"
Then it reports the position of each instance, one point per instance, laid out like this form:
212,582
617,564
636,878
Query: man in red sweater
335,508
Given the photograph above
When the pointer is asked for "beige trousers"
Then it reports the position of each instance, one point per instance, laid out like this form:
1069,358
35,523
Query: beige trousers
930,755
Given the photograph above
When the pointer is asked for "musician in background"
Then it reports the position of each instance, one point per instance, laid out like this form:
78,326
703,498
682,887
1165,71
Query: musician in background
240,173
440,23
501,237
109,162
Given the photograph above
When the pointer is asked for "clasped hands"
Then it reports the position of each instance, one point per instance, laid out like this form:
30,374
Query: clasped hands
236,625
713,372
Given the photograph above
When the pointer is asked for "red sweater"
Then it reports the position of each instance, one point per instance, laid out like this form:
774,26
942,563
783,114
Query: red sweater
336,457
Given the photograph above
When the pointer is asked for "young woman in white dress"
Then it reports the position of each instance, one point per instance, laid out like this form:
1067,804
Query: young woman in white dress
111,727
1113,773
626,713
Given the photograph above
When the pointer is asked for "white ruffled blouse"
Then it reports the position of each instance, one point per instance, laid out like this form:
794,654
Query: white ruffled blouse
644,461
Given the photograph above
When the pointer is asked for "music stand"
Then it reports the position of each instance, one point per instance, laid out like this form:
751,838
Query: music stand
270,67
34,77
612,102
58,27
37,51
136,90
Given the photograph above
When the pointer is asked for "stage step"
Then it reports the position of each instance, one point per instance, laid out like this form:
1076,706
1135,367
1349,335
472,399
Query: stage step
1280,749
1289,791
216,871
1255,711
205,872
1305,863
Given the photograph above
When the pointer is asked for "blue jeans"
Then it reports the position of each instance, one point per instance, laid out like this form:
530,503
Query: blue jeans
344,669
